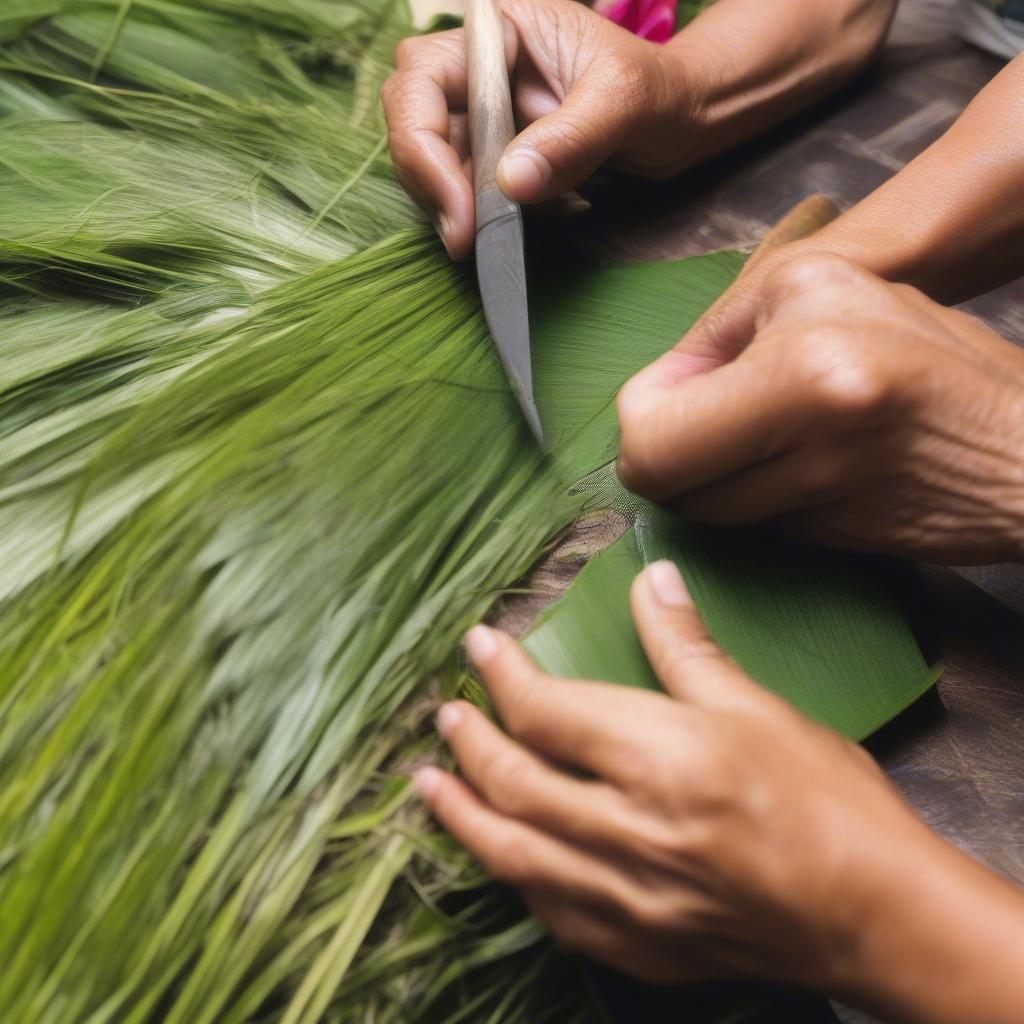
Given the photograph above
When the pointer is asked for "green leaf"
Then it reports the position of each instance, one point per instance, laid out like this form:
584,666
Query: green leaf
592,329
687,10
822,630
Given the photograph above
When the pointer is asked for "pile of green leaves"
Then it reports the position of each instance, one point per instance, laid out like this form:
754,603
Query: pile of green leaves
259,469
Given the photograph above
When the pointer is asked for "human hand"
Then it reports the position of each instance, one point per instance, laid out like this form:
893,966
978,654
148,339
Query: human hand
584,90
714,832
718,833
847,410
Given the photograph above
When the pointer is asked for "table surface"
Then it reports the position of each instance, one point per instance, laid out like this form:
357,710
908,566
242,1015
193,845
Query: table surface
958,755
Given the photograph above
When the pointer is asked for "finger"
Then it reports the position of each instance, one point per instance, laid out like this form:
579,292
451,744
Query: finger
797,282
521,785
718,337
805,479
599,727
641,952
458,139
562,149
515,852
428,86
685,657
575,929
678,438
579,930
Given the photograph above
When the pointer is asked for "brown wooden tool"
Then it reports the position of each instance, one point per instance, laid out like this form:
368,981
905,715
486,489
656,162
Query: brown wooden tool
807,217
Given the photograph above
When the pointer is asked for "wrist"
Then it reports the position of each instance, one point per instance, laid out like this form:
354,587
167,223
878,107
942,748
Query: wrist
752,65
939,940
669,115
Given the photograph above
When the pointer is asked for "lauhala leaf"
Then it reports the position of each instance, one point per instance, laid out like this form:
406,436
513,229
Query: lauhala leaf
822,630
593,328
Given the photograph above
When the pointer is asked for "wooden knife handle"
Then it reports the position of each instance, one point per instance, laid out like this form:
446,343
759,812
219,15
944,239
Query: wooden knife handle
491,125
807,217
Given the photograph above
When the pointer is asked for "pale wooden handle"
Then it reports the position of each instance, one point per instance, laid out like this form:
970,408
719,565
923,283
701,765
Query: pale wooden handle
491,125
802,221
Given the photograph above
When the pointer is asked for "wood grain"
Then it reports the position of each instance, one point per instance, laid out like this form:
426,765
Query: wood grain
807,217
491,124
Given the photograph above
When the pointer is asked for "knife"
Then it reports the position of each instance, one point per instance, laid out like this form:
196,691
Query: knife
500,256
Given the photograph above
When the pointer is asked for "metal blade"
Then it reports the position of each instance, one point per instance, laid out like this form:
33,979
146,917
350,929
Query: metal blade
501,269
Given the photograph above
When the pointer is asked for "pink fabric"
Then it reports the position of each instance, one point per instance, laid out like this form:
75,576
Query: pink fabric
650,19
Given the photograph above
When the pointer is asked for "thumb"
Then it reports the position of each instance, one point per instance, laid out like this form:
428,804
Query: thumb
685,657
559,151
724,330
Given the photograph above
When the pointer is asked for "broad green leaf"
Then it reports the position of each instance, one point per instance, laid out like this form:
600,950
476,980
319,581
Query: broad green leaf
820,629
593,329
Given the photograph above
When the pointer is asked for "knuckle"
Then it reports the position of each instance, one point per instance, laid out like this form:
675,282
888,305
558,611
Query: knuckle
519,706
629,79
675,842
577,140
906,292
638,464
502,782
814,271
637,771
963,320
407,50
648,912
567,935
652,772
629,406
402,153
844,376
691,640
630,410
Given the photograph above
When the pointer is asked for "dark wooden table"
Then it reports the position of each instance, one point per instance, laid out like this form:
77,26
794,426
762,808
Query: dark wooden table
958,755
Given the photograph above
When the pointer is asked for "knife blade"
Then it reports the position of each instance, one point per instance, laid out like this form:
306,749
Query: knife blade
500,247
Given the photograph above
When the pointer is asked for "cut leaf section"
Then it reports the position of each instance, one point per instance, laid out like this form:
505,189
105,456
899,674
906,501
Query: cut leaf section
820,629
593,329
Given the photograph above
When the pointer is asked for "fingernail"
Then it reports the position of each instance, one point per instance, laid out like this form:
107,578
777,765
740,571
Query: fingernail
666,583
426,781
480,644
523,174
447,718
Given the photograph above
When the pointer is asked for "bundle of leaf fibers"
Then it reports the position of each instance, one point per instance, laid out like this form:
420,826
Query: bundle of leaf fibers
259,469
219,590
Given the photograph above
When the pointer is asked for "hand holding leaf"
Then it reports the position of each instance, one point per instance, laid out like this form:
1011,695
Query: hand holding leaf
712,831
845,409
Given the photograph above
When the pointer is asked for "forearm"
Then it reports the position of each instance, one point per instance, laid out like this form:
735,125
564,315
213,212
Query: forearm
944,942
753,64
952,221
